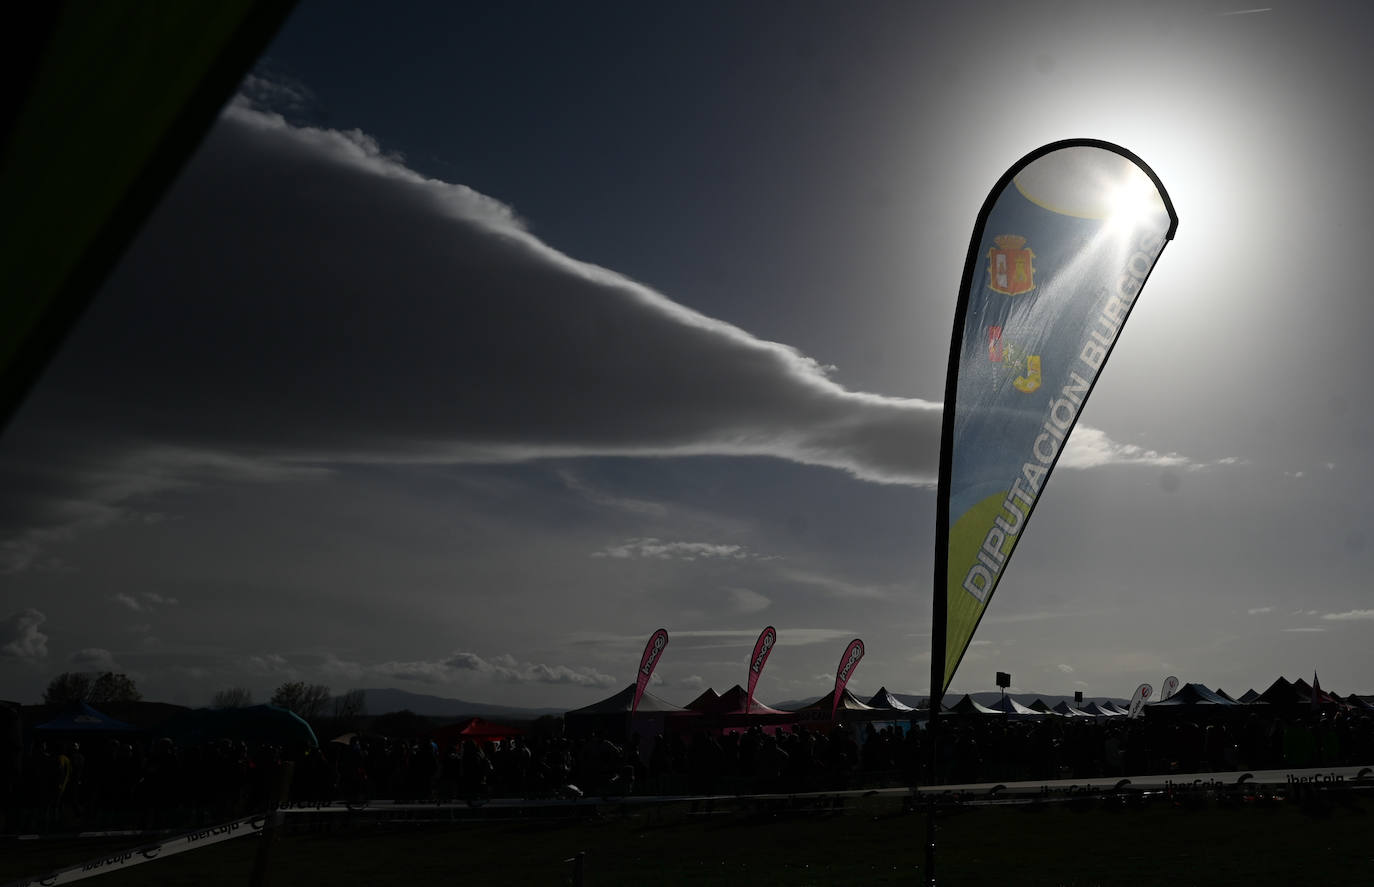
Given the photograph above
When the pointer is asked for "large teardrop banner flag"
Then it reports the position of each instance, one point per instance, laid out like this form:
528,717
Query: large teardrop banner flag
653,651
1170,688
848,662
1061,249
762,647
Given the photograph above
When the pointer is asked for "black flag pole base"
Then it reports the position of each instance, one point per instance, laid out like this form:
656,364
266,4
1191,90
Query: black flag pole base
930,844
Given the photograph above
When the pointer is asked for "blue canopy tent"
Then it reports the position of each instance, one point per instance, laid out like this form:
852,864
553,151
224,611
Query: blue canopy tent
81,718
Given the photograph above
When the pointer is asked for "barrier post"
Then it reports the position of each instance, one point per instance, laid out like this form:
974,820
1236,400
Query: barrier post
281,791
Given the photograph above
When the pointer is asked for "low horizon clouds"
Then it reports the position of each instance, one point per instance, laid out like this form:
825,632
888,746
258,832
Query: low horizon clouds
349,310
446,670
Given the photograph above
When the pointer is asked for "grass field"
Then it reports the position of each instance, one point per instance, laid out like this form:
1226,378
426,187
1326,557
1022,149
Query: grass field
871,842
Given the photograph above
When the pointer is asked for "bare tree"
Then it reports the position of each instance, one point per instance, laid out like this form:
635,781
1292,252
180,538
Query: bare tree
70,686
76,686
306,700
234,697
350,706
111,687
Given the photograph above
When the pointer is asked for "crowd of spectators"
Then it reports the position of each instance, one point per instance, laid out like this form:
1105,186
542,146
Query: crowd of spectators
115,782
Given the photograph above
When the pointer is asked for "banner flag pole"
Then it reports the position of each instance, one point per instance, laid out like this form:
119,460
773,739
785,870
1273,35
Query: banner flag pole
1060,250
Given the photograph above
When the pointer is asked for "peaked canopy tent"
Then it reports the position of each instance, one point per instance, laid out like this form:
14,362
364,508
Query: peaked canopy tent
888,702
1110,705
1013,709
1192,700
1359,703
1043,707
1100,711
1191,694
81,718
475,729
1249,696
967,706
735,700
611,717
1281,692
1069,711
1227,696
708,701
727,711
850,708
1323,698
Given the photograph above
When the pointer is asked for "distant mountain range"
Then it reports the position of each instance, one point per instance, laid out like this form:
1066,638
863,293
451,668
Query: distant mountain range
385,701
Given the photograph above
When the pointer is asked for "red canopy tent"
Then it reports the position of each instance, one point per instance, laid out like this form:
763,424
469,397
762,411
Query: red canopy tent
726,711
475,729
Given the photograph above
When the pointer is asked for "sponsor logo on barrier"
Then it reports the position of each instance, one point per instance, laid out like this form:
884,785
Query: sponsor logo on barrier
228,828
1316,777
139,855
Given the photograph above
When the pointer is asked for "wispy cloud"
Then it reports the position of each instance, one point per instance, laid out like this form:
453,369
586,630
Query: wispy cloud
841,588
629,373
600,497
1303,629
744,600
1092,448
659,549
22,638
94,659
459,665
1255,611
787,637
1350,615
507,668
83,487
143,601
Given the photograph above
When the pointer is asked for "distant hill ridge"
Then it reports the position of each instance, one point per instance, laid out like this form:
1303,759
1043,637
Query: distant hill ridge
385,701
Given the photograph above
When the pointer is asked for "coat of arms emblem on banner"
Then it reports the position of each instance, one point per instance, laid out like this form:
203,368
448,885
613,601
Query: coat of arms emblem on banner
1010,268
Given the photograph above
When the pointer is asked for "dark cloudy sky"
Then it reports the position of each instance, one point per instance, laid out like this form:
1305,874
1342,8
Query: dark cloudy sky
476,344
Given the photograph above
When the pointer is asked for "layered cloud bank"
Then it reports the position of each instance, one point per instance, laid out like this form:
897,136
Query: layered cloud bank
302,298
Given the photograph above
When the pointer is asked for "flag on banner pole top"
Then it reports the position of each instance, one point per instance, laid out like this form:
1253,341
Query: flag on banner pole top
848,663
762,647
653,652
1139,698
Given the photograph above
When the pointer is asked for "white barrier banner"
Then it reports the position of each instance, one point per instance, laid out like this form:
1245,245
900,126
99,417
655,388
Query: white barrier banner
146,853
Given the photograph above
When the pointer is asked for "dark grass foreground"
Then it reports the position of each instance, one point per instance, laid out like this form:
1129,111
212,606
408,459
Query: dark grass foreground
872,842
